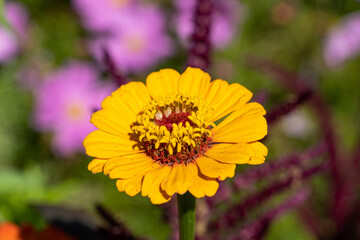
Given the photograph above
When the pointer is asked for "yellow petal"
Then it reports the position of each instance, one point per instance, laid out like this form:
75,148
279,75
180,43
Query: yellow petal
129,159
115,103
129,171
133,187
128,167
203,186
260,153
225,98
113,122
135,95
214,169
231,153
151,185
121,108
247,129
97,165
247,124
163,82
249,109
103,145
121,184
194,82
179,180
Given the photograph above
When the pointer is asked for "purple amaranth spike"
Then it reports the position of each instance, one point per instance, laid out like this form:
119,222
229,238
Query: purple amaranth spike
261,172
239,211
257,229
287,107
298,85
250,177
115,73
199,55
337,167
223,194
226,18
261,97
312,222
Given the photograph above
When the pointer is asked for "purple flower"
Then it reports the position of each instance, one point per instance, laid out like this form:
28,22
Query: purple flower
225,19
100,15
343,41
65,102
137,42
9,40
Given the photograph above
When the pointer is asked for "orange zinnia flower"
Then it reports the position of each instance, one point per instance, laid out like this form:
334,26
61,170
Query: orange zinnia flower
9,231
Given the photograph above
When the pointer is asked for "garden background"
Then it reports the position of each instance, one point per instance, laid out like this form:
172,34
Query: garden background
300,58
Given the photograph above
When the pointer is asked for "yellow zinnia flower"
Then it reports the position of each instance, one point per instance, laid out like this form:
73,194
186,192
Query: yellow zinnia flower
160,138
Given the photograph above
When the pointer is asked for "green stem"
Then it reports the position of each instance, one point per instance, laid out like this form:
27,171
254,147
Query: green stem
186,213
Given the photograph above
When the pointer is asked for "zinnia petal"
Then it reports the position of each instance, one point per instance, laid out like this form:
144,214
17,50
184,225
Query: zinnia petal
244,125
193,82
97,165
203,186
134,94
104,145
179,180
113,122
214,169
128,167
163,82
133,186
151,185
225,98
231,153
260,152
120,109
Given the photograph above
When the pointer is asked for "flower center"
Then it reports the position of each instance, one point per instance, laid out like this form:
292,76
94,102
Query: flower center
75,111
173,129
119,3
135,43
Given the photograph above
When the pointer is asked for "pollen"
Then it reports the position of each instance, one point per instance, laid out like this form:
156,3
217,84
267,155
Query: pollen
173,129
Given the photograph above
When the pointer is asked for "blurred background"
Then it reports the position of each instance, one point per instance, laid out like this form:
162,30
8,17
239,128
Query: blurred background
59,59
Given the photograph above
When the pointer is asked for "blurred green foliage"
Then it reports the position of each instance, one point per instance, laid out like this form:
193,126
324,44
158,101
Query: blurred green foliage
3,20
289,227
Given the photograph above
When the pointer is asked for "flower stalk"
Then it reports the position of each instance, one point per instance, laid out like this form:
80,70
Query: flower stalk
112,69
186,214
199,52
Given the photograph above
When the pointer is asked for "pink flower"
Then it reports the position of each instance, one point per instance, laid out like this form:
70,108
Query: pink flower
226,16
10,41
101,15
137,42
65,102
343,41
